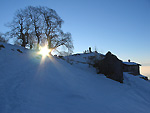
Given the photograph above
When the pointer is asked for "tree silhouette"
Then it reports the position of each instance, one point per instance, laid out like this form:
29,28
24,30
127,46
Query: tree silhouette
34,24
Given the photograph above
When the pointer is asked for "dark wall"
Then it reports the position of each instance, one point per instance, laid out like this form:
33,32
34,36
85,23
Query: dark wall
111,67
134,69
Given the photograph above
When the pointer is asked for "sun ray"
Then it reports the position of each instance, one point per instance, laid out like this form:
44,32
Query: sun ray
44,52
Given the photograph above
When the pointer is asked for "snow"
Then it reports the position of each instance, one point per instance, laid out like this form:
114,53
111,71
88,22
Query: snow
131,63
83,58
28,85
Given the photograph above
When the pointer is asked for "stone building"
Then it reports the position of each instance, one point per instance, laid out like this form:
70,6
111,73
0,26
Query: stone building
132,67
111,67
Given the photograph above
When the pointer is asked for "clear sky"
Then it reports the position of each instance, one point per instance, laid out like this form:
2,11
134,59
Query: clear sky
119,26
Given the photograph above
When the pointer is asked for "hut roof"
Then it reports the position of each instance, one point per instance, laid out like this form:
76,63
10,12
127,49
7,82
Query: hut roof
131,63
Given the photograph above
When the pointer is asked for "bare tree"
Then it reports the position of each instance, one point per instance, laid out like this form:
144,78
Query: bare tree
64,39
34,16
51,24
52,29
40,22
19,27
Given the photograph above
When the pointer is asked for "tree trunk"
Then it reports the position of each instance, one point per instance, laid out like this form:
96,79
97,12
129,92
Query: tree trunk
23,40
38,43
31,46
49,42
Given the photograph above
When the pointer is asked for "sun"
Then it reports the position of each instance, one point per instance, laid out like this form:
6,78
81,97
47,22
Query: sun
44,51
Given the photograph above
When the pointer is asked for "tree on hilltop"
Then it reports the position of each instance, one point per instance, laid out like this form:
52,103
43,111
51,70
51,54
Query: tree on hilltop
34,24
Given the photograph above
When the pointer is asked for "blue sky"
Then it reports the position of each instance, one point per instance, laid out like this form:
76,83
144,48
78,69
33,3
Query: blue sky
119,26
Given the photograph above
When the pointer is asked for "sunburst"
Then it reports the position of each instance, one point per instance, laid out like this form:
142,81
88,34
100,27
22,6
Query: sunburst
44,51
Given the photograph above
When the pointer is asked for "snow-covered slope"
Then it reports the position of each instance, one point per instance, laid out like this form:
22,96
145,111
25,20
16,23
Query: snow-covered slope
28,85
83,58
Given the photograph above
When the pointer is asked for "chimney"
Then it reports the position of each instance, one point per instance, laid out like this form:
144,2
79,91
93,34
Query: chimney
129,60
90,50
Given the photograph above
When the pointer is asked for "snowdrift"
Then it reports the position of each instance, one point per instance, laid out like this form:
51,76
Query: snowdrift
29,84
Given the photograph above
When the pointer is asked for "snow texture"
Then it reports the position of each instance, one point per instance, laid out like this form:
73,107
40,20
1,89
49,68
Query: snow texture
28,85
131,63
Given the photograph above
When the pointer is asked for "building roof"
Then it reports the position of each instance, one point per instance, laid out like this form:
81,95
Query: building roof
131,63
